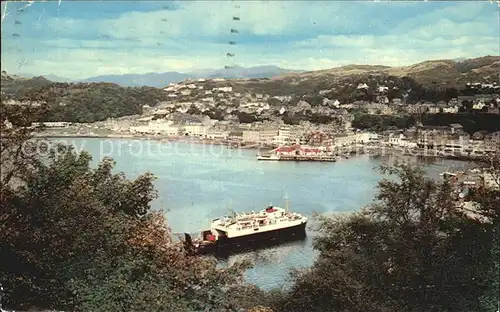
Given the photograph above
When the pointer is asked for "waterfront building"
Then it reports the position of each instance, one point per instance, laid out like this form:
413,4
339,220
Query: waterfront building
195,129
355,138
401,141
58,124
283,136
154,127
217,134
267,135
250,135
236,136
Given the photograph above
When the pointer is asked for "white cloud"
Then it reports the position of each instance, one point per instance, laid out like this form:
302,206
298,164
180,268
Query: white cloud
320,36
194,19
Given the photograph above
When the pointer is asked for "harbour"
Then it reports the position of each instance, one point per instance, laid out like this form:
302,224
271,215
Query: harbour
298,158
197,184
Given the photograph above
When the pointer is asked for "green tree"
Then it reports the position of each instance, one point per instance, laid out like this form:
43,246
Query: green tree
488,200
85,239
411,250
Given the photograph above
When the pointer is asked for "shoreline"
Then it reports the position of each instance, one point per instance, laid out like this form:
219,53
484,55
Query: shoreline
352,151
228,143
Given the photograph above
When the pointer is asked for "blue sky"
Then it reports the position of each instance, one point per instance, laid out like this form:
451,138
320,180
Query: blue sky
81,39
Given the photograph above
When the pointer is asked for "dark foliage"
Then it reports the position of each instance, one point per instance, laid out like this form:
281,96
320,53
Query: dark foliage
472,122
92,102
78,238
382,122
412,250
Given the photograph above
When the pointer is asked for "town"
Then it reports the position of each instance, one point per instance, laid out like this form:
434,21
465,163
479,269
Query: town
260,120
250,156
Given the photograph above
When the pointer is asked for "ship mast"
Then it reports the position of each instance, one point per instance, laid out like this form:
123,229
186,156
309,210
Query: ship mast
286,202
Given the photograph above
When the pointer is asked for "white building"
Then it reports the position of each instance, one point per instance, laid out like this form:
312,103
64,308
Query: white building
363,137
401,141
250,136
383,89
478,105
217,134
283,98
362,86
355,138
267,135
155,127
451,110
223,89
344,140
283,137
7,124
58,124
195,129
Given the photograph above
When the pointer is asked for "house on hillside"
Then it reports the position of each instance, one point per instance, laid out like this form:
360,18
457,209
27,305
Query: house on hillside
362,86
456,128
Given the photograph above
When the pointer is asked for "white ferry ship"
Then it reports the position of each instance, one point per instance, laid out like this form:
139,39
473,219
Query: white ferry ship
271,225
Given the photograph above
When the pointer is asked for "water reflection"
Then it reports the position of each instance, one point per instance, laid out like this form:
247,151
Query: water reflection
267,255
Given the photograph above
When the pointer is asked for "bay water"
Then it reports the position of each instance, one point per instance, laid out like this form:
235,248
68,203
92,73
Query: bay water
197,183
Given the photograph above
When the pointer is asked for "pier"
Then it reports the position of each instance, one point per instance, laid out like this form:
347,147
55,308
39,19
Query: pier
298,158
307,158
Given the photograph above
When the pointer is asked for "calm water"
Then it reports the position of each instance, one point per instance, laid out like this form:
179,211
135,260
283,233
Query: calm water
197,183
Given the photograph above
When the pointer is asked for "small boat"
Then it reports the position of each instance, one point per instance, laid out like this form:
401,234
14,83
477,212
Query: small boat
269,226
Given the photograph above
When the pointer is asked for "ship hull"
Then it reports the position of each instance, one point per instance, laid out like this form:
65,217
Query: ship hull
254,241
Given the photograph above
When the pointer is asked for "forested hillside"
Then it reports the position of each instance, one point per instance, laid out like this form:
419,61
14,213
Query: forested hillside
430,81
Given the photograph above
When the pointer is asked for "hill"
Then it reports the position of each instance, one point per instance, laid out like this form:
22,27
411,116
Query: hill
76,102
159,80
17,85
134,80
436,80
420,81
427,73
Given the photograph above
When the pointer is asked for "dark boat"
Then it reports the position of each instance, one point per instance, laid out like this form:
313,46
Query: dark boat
267,227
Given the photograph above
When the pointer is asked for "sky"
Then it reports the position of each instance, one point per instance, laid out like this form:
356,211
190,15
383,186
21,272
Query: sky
80,39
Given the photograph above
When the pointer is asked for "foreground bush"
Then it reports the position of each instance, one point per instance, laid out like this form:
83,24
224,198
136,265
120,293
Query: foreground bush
411,250
76,238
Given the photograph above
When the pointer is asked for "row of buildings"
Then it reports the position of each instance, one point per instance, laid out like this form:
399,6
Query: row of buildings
481,102
262,133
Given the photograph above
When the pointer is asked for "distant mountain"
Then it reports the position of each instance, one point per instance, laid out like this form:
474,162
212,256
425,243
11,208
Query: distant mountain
134,80
162,79
57,78
51,77
428,74
433,80
268,71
